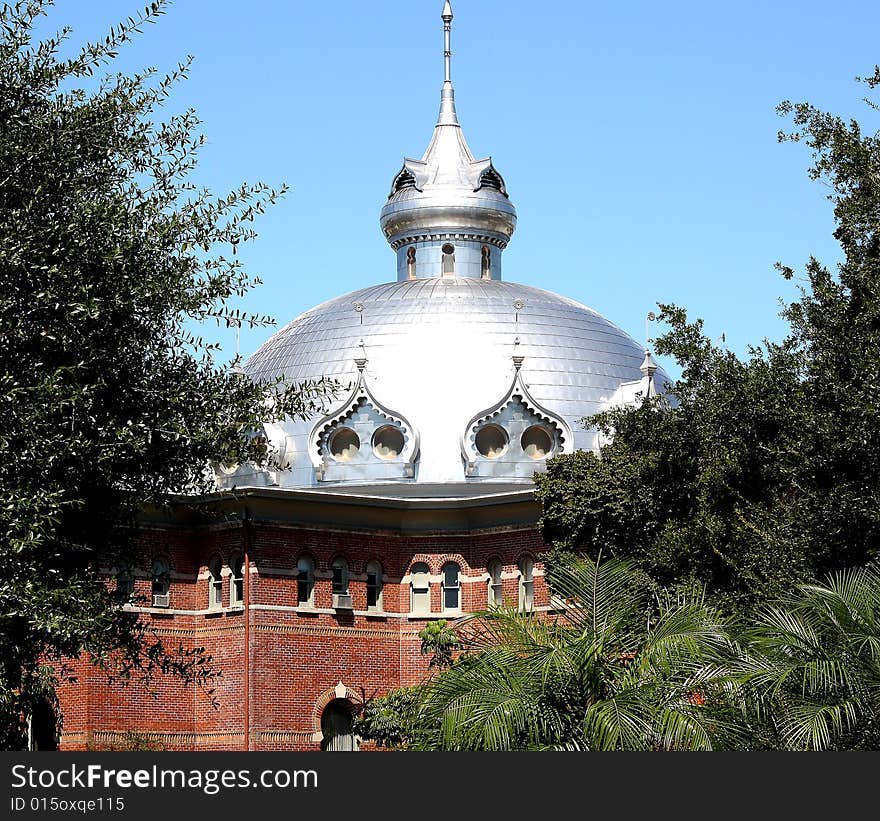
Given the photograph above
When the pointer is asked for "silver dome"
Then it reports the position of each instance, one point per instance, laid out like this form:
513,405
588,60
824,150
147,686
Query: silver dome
441,352
457,381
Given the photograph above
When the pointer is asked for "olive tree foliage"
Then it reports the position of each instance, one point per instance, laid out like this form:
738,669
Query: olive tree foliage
111,264
764,470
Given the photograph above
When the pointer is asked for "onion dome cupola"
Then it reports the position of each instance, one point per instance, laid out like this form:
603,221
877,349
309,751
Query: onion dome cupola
448,214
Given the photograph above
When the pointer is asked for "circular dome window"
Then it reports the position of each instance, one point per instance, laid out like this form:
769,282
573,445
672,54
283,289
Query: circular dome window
388,442
536,442
491,441
344,444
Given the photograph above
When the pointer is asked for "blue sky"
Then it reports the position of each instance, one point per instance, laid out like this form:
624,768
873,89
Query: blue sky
637,140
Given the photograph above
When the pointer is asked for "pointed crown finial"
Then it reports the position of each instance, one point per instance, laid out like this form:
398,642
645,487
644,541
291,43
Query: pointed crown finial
448,189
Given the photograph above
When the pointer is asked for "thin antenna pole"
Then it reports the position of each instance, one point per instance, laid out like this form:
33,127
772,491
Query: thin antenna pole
447,40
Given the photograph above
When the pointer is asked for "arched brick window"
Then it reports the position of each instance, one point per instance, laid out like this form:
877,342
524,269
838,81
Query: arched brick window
374,586
236,581
526,584
495,595
161,582
448,263
451,586
215,583
420,588
486,263
305,581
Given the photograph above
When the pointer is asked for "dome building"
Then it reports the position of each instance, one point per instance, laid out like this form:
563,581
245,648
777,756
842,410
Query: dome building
461,383
410,499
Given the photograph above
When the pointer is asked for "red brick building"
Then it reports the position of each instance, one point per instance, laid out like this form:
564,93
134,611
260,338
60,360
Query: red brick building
287,647
409,499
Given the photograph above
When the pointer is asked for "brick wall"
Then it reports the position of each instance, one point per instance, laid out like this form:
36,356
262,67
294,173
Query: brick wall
297,657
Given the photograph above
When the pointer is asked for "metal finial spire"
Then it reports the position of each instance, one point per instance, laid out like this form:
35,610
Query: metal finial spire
648,369
447,37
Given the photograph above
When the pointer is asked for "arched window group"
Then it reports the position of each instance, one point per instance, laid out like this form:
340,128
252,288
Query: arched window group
525,582
451,586
450,583
341,584
236,581
160,584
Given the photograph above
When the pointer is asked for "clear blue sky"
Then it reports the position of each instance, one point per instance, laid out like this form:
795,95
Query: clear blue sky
637,140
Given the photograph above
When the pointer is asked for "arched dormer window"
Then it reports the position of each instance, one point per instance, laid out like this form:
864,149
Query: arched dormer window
451,586
492,179
215,583
236,581
420,588
411,262
447,267
374,586
161,582
305,581
486,262
495,595
526,584
404,179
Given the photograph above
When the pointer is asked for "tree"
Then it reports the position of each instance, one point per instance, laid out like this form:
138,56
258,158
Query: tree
615,669
110,263
810,665
440,641
764,470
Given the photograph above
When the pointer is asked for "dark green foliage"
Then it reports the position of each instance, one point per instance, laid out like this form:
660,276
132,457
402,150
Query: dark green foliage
810,665
627,667
617,669
390,720
109,258
440,641
766,471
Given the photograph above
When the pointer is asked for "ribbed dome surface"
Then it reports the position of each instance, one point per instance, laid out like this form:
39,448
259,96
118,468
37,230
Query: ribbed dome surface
440,350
